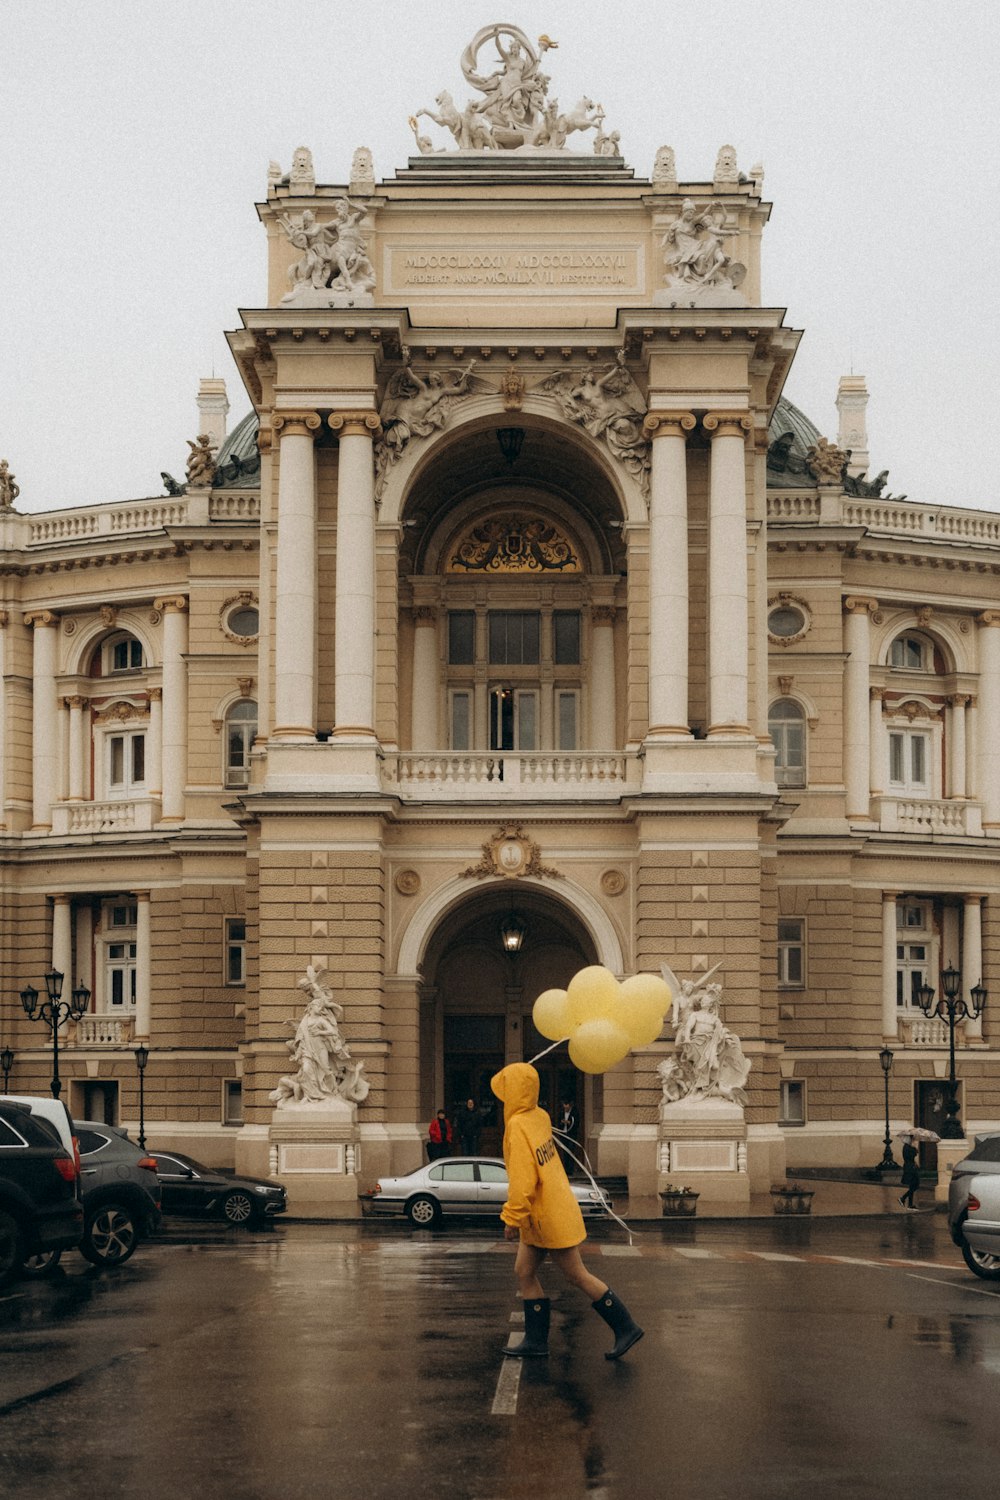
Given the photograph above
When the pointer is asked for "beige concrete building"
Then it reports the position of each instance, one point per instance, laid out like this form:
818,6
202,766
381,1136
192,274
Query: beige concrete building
522,593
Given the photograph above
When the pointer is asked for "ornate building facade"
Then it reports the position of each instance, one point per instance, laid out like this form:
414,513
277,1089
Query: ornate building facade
523,625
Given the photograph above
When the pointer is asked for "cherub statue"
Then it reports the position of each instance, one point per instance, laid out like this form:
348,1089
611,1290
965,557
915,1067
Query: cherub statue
709,1062
9,491
201,462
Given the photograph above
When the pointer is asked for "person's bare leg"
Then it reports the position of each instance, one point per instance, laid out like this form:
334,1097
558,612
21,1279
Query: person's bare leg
526,1265
570,1263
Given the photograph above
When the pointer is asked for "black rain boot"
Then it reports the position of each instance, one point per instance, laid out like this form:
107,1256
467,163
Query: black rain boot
537,1313
618,1318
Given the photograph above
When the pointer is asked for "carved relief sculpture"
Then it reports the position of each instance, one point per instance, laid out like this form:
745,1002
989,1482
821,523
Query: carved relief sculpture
611,408
362,172
698,270
201,462
9,491
515,112
334,269
324,1067
415,406
726,171
514,544
709,1061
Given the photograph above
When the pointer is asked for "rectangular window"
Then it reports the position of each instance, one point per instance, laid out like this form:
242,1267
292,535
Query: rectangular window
567,704
514,637
791,952
566,637
792,1105
911,973
126,764
232,1102
909,761
461,720
236,950
120,977
461,638
526,710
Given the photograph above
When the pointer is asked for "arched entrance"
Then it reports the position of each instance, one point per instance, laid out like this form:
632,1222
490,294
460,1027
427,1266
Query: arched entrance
477,998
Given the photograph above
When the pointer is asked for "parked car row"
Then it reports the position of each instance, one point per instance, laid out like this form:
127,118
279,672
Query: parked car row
974,1207
463,1185
84,1184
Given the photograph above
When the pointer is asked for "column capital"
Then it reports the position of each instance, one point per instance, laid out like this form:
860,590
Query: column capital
674,424
155,695
424,614
989,617
355,423
888,896
727,423
141,895
857,604
41,618
877,694
296,423
603,614
171,604
76,701
959,700
971,898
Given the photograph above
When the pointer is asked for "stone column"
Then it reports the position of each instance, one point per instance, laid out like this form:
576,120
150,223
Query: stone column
295,585
728,636
143,964
668,573
972,958
44,716
602,677
154,750
354,626
989,716
174,717
76,706
84,925
4,622
956,755
424,731
878,772
62,941
857,753
890,1028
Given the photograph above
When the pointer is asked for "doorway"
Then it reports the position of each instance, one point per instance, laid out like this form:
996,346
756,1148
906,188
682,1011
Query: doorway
473,1053
932,1111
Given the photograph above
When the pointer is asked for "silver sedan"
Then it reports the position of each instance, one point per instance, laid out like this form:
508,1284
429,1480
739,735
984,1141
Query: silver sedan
980,1230
460,1185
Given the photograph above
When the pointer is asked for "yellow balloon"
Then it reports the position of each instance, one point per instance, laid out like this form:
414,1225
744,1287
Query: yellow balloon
645,1000
591,993
551,1016
597,1045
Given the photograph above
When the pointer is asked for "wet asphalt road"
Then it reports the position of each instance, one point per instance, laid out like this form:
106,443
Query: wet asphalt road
846,1358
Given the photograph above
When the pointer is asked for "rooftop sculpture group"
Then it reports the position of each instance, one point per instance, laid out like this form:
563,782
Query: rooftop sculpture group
515,111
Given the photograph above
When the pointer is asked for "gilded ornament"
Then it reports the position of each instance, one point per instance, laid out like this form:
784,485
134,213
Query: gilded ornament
511,855
514,544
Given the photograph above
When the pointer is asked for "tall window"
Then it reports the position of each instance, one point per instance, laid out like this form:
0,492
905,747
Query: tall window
791,952
514,637
531,669
236,950
787,727
118,956
241,731
126,763
909,761
914,952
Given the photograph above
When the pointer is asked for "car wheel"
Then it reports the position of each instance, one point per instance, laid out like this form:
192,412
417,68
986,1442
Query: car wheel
11,1248
423,1213
238,1208
981,1262
42,1264
110,1235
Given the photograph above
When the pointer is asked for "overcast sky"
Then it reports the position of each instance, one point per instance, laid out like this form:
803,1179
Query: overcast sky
136,136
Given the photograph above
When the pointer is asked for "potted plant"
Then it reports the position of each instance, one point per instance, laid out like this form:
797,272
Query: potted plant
791,1198
679,1201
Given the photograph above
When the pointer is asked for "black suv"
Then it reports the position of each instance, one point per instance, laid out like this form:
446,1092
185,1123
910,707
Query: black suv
40,1209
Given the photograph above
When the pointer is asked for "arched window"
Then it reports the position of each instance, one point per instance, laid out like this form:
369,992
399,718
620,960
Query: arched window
912,653
241,730
786,725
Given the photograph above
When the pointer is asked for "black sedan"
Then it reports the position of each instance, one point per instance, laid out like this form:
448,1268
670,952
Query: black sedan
190,1188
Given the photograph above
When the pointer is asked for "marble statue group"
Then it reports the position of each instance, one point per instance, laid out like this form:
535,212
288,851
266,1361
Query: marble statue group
709,1061
333,269
324,1067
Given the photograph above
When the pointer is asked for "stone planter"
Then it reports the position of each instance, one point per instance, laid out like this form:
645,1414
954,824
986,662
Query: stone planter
791,1200
679,1205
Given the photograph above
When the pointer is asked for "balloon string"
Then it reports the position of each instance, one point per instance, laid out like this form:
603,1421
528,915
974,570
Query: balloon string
547,1050
585,1169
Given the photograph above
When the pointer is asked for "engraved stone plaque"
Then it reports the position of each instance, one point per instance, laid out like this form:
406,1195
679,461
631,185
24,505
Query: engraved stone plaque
303,1156
532,269
703,1156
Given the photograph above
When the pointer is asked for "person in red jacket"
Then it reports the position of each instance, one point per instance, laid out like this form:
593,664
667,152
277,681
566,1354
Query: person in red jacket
439,1137
543,1217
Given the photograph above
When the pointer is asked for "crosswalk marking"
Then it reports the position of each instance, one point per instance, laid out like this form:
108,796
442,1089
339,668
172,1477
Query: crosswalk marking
774,1255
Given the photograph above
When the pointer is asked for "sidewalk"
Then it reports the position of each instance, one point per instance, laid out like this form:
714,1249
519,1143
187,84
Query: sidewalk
832,1198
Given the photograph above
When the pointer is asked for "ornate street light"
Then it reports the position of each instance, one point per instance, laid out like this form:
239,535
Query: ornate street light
512,932
53,1011
887,1163
6,1062
141,1059
951,1007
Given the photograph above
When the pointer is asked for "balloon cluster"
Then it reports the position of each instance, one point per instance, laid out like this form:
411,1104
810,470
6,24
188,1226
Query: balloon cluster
603,1019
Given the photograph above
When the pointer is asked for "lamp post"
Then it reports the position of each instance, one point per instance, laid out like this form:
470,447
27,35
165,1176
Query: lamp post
141,1059
951,1007
6,1062
53,1011
886,1164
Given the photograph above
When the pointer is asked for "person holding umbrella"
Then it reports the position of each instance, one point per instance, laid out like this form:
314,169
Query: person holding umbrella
910,1179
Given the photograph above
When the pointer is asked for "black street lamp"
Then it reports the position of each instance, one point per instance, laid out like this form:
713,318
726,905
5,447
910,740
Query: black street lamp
6,1062
886,1164
53,1012
951,1008
141,1059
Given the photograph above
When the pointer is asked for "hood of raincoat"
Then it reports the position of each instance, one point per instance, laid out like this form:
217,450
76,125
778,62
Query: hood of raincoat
517,1085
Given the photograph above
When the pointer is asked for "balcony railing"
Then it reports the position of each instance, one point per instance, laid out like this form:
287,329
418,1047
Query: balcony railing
104,1031
890,517
510,776
924,1032
136,815
927,816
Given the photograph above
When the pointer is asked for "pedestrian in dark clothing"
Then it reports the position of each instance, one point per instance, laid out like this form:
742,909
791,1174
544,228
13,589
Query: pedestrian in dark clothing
469,1123
439,1137
911,1176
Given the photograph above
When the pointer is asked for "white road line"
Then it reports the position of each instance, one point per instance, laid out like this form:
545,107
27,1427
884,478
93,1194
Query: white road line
977,1291
774,1255
693,1254
620,1250
505,1397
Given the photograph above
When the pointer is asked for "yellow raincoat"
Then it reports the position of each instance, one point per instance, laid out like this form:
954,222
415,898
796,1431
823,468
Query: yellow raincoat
540,1201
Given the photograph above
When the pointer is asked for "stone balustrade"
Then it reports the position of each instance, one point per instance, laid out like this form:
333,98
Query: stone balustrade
927,816
136,815
508,775
891,517
104,1031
